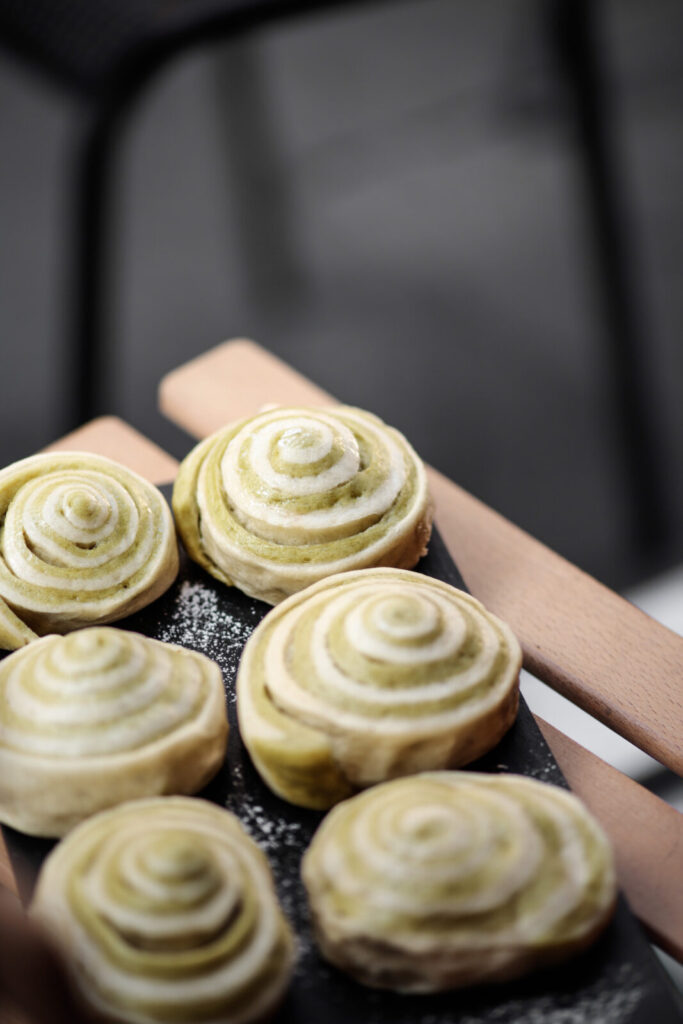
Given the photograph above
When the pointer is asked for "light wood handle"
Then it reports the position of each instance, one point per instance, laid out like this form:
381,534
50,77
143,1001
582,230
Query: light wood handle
7,879
579,637
110,436
646,833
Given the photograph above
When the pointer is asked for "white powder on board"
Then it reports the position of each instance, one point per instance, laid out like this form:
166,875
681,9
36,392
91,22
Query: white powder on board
198,621
610,1000
272,834
604,1005
276,837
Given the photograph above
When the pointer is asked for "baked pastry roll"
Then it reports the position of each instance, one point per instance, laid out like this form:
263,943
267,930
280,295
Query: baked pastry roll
169,913
102,716
453,878
276,502
371,675
83,541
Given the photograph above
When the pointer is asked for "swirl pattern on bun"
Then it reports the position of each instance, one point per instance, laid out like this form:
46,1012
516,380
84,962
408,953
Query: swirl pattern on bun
83,541
168,911
371,675
276,502
102,716
452,878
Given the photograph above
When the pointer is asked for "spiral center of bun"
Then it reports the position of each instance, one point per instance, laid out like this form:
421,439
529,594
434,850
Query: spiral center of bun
84,643
295,457
303,443
88,643
81,511
404,618
177,858
429,822
85,508
404,628
167,890
92,652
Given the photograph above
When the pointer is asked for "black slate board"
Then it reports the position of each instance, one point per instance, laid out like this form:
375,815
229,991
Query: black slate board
617,981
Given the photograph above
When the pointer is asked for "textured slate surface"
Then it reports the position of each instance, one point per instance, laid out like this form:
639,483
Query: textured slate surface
618,981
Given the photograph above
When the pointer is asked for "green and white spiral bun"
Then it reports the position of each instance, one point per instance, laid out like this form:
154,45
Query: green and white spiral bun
454,878
168,912
371,675
279,501
83,541
102,716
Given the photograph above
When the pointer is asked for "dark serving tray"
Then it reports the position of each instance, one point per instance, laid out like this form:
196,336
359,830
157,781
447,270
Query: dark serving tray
618,981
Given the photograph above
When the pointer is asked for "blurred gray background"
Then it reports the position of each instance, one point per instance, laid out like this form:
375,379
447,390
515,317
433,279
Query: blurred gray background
407,225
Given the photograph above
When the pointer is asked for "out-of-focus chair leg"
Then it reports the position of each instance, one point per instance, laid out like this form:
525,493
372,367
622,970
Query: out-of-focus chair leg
91,262
258,190
630,361
258,185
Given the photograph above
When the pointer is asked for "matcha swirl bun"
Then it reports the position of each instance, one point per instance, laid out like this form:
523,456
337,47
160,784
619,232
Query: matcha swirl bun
276,502
102,716
455,878
168,911
83,541
370,675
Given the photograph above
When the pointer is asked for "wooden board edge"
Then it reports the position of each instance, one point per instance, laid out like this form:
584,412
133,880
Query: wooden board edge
7,879
646,834
112,437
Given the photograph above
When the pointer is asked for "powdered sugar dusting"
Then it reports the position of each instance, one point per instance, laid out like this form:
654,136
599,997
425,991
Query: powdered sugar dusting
282,842
272,835
199,620
611,999
595,1005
